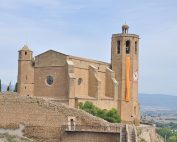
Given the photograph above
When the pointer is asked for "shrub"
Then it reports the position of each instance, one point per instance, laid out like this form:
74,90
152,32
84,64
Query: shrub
108,115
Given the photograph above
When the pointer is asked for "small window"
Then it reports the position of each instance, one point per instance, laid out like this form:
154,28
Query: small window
80,80
25,53
135,110
72,124
136,47
25,87
26,77
49,80
128,47
118,47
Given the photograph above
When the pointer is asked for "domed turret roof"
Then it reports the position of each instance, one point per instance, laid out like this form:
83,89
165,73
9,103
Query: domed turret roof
125,26
25,48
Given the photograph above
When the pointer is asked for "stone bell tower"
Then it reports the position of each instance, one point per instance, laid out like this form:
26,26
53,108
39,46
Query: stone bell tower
124,61
25,72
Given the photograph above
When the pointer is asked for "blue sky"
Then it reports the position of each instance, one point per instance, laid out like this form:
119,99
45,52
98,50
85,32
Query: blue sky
84,28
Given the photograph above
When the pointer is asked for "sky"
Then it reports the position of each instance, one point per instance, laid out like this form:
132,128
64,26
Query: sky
84,28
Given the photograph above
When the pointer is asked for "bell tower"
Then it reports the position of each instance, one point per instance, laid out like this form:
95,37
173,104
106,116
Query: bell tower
25,72
124,61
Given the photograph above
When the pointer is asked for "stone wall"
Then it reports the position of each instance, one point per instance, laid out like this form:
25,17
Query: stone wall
94,85
59,87
44,120
91,137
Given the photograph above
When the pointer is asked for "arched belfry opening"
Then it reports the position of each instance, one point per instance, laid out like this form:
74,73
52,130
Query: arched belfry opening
125,29
128,47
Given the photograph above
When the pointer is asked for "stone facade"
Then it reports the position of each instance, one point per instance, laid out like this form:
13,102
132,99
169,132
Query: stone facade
73,80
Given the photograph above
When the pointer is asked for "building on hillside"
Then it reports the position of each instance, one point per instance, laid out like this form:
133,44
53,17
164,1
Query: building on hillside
73,80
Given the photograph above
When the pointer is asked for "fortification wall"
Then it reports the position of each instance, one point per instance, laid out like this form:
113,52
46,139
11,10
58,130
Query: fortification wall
44,120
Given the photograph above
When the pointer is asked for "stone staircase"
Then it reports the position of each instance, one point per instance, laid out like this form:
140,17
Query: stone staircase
128,133
131,133
123,134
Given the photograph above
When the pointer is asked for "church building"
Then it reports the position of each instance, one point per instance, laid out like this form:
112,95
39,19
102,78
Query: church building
72,80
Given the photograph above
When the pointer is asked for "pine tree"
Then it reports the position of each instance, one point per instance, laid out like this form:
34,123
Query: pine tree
15,89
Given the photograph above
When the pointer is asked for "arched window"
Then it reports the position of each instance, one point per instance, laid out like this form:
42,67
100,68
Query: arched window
80,80
118,47
127,47
135,47
25,53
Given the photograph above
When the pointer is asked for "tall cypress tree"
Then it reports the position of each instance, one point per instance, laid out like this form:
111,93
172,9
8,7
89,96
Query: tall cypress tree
15,89
9,87
0,86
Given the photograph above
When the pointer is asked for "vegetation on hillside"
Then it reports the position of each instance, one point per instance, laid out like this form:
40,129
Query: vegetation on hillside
171,125
108,115
168,131
168,134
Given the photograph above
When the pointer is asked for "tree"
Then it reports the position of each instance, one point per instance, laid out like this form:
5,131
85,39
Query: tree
108,115
0,86
15,89
172,139
166,133
9,87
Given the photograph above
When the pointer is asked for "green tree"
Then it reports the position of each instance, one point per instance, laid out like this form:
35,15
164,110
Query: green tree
9,87
167,134
15,89
0,86
109,115
172,139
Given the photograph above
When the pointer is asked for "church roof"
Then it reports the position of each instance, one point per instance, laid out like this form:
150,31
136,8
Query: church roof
75,57
89,60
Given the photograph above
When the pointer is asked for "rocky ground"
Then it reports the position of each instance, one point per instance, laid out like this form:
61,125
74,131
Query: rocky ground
12,138
147,133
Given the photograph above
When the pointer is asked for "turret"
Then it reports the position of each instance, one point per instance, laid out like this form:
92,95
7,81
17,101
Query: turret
25,72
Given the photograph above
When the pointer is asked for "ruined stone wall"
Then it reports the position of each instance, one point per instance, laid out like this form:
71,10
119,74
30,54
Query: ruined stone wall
43,120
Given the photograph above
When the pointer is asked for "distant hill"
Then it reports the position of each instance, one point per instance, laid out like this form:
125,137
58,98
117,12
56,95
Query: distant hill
158,102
